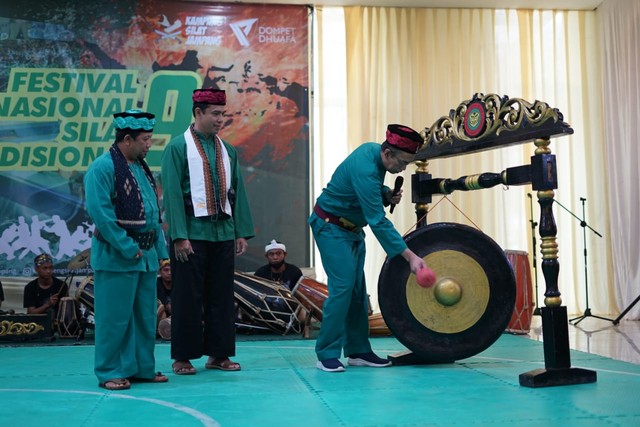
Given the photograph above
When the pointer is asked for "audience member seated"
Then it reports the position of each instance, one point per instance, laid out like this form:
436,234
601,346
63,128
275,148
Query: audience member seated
277,270
42,295
3,312
164,299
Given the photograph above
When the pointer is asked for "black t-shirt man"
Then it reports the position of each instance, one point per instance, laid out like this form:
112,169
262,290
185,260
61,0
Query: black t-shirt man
287,277
36,296
42,295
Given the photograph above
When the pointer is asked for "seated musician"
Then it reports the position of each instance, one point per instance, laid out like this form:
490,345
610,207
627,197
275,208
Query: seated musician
4,312
277,270
42,295
164,286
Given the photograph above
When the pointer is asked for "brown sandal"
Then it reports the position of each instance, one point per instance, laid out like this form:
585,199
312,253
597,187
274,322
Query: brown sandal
183,367
116,384
223,364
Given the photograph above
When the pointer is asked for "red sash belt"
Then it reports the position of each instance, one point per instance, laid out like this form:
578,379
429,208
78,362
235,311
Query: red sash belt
332,219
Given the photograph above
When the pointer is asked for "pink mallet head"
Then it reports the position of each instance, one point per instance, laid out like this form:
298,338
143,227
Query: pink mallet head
425,277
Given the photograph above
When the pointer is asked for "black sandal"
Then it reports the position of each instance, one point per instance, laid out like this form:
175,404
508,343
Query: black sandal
158,378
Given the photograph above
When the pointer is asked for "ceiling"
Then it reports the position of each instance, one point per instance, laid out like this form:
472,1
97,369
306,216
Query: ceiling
465,4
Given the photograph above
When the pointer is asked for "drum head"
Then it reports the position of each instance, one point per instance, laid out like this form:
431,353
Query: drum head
85,294
470,304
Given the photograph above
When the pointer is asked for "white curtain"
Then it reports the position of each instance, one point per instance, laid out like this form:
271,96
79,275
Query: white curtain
411,66
329,101
620,33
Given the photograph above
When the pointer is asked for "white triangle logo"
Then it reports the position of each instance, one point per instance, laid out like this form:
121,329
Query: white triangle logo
241,30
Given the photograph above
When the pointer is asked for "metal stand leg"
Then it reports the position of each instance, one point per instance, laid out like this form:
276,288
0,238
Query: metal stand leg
536,311
626,310
584,225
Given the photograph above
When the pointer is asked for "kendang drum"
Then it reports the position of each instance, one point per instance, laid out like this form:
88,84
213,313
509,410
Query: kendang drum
84,294
68,318
264,304
520,322
377,326
164,328
312,295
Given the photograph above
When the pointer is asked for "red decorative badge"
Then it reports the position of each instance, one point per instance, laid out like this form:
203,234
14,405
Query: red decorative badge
474,122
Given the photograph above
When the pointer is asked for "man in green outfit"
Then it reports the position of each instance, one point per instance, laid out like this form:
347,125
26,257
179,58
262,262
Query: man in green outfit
127,245
209,221
355,197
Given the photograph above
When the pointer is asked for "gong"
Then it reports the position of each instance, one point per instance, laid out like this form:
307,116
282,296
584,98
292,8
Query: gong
468,307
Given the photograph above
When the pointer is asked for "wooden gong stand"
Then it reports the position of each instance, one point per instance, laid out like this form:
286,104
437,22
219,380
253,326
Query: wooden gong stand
487,122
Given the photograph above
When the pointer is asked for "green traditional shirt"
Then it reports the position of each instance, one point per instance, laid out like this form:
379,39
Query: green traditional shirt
355,192
175,188
118,254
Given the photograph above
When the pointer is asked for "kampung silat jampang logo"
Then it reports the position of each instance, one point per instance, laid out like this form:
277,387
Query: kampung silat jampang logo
170,31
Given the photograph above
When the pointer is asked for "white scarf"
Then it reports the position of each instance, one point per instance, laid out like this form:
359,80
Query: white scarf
199,196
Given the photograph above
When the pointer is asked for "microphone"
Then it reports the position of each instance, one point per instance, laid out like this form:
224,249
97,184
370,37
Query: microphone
396,189
582,199
529,195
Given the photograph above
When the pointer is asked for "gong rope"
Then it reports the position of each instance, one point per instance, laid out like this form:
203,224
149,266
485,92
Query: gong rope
433,207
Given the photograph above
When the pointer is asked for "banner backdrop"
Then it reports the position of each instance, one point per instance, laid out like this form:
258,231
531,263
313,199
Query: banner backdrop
67,66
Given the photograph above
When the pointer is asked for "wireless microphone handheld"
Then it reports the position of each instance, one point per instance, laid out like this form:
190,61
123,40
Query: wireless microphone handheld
396,189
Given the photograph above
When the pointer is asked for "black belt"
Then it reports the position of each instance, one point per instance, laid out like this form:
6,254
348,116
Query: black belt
145,239
336,220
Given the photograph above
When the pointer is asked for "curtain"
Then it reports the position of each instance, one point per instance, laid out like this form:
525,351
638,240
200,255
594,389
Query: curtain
620,35
329,102
412,65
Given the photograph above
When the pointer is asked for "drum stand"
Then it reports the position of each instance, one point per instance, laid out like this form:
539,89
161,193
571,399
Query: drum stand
536,311
584,225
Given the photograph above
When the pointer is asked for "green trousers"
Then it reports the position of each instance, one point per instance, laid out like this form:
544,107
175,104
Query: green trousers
345,313
125,321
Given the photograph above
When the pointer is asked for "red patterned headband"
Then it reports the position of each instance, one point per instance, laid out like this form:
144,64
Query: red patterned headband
404,138
210,96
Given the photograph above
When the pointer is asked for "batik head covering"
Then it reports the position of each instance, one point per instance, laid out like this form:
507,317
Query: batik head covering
209,96
42,259
136,120
404,138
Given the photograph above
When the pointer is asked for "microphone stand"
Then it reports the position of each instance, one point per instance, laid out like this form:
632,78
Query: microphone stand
536,311
584,225
626,310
